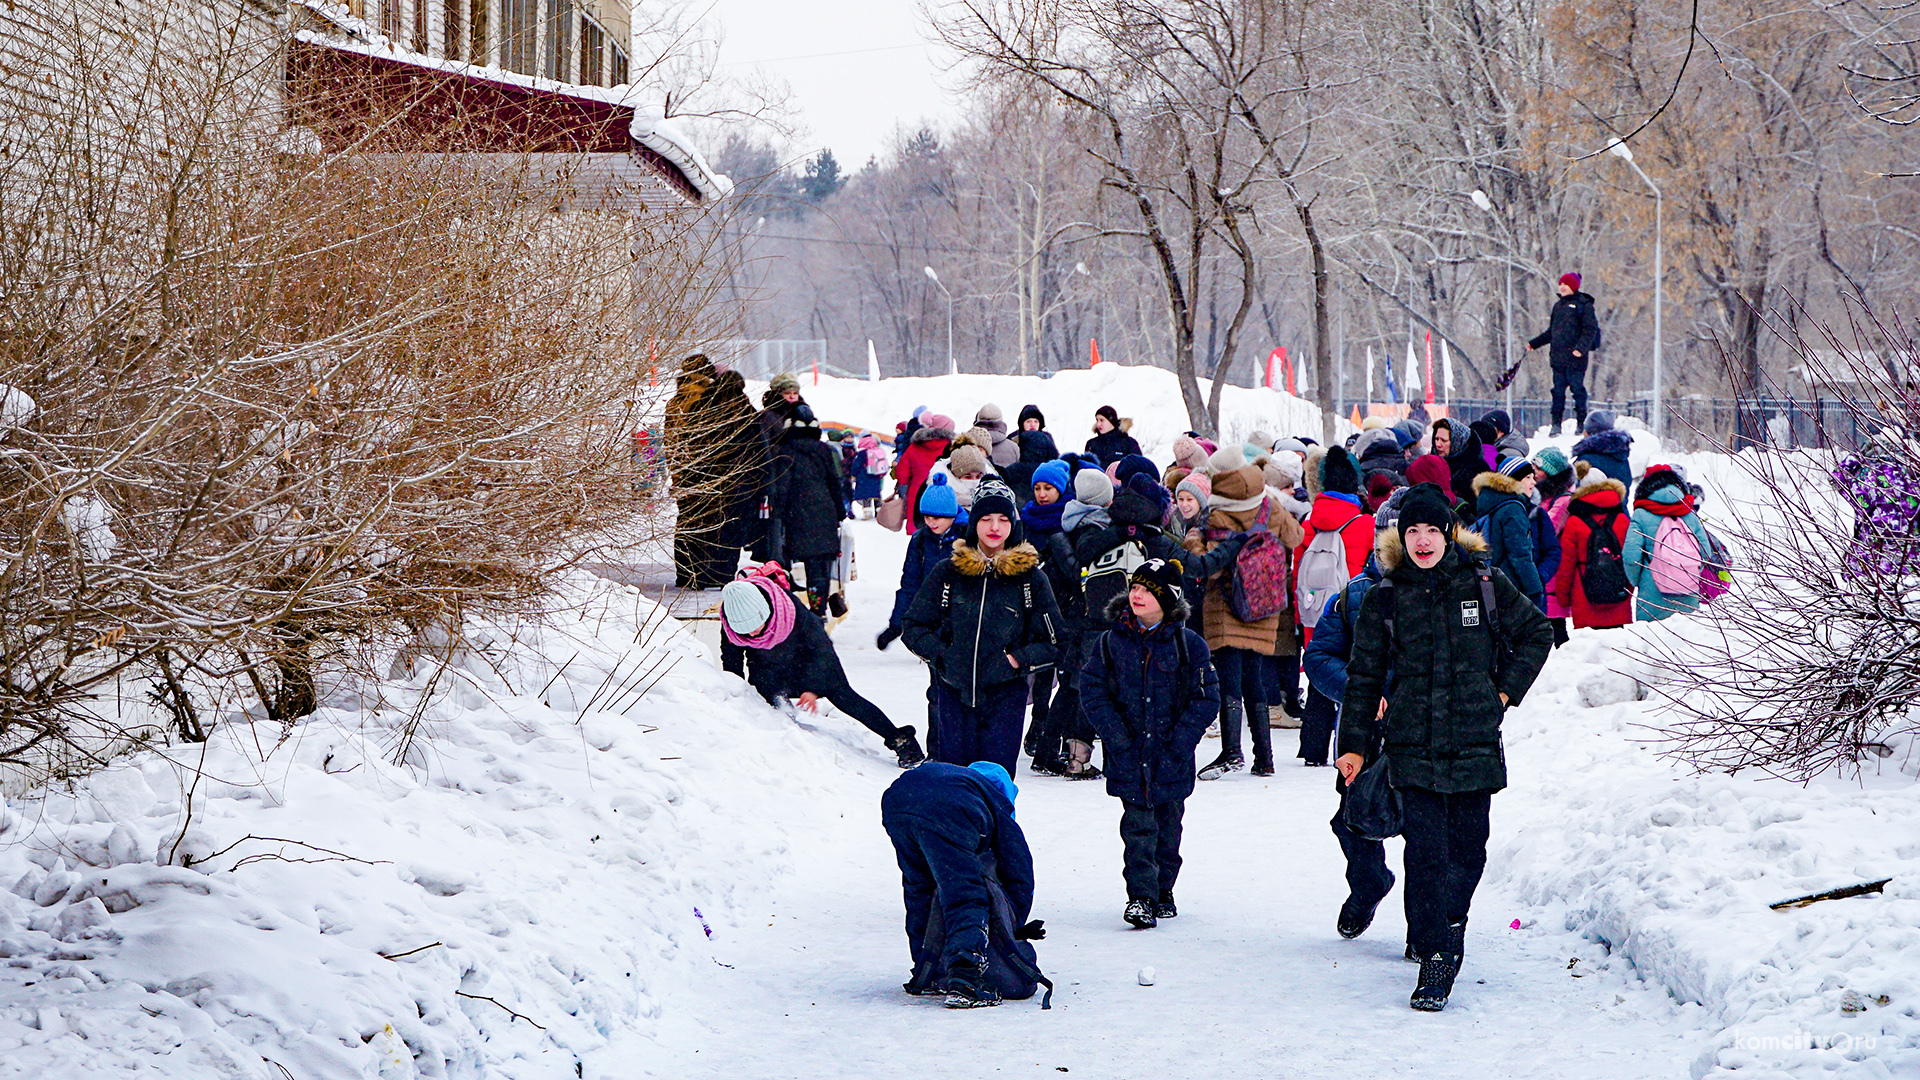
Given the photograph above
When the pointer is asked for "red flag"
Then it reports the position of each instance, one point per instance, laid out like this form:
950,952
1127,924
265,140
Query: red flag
1429,367
1093,346
816,374
1288,365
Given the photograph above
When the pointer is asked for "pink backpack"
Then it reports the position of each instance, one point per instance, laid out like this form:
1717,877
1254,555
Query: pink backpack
1675,560
1259,586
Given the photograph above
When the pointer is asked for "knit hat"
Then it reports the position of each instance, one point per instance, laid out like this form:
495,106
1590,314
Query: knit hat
1283,470
1092,487
997,773
1373,423
1598,420
1502,423
1406,433
1107,411
936,422
1055,473
1147,486
784,382
1161,577
967,460
801,422
1571,280
1197,485
1261,439
1225,460
1516,467
744,606
1337,472
1426,504
1132,465
1488,434
1551,460
1188,454
993,496
1430,469
979,437
937,498
1289,443
1031,412
919,411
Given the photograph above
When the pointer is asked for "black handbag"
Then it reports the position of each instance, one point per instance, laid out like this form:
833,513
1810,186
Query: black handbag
1371,807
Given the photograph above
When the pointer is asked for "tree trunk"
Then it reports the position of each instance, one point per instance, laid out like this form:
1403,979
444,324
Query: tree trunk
1322,342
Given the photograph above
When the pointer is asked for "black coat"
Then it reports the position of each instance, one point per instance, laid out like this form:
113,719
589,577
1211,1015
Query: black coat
1149,708
972,613
803,663
972,812
1036,449
926,550
1112,446
806,499
1572,327
1442,725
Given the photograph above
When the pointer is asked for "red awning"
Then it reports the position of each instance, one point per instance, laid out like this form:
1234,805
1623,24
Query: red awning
368,99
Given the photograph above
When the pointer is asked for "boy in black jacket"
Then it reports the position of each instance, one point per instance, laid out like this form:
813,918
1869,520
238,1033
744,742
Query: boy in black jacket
1149,689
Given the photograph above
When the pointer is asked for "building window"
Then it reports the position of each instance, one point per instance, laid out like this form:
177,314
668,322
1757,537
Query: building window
390,21
560,40
450,29
618,76
477,52
593,53
520,35
420,26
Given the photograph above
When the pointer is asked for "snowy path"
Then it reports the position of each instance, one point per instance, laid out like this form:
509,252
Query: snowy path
1251,979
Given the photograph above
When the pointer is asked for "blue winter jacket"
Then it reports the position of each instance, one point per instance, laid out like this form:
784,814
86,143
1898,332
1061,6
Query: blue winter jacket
1131,685
1607,451
1325,660
924,552
970,810
1511,544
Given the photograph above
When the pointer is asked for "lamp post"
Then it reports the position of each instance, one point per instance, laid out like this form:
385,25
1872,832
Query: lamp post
935,278
1480,200
1619,149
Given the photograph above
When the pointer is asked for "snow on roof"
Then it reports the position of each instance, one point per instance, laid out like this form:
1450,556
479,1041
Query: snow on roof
650,126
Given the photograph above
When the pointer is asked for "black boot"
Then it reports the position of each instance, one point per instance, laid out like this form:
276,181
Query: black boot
967,988
1165,908
1438,970
1355,918
1140,914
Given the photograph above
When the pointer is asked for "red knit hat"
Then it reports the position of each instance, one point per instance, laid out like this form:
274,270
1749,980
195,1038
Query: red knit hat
1571,281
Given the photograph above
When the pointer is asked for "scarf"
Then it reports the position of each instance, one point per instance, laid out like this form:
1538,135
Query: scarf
1042,520
778,627
1672,509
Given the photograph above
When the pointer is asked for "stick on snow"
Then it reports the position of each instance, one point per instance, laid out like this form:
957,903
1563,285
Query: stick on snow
1861,889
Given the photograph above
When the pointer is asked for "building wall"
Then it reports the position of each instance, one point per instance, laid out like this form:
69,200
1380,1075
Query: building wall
575,41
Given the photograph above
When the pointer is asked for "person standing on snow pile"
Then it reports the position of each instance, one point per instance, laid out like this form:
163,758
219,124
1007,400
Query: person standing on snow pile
924,449
1462,645
984,621
939,512
783,651
1572,333
1036,449
1605,447
1504,501
1555,493
1239,503
1592,583
1323,571
1110,440
805,501
1049,742
1325,660
1149,690
966,878
1665,546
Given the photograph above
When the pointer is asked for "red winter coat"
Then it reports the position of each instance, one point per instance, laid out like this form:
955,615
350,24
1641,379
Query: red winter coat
1598,493
1331,513
916,464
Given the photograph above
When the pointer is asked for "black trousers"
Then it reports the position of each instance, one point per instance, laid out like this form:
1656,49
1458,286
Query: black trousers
1041,693
1150,836
988,731
1569,375
1368,879
937,869
1239,671
1316,727
849,701
1446,851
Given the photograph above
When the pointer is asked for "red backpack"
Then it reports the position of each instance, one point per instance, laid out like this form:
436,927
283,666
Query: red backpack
1259,586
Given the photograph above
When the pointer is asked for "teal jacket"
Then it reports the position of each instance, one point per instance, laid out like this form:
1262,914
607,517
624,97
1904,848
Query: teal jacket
1650,604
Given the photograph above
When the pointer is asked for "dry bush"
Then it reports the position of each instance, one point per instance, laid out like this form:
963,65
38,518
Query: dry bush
295,409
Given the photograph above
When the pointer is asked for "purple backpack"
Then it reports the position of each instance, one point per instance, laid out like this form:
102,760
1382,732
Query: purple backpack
1259,587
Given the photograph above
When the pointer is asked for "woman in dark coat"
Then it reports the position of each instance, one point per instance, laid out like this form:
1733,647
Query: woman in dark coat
1462,450
806,503
742,451
1110,440
1150,691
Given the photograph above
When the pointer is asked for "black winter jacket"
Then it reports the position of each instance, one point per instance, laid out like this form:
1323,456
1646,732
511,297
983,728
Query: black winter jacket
972,613
806,500
1036,449
1112,446
802,663
1571,327
1149,707
1442,726
924,551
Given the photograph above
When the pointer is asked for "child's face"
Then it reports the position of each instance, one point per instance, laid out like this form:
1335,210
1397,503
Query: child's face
939,525
1189,506
1045,494
1030,424
1146,606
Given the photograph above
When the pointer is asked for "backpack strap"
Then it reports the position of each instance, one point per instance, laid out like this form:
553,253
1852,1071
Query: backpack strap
1502,652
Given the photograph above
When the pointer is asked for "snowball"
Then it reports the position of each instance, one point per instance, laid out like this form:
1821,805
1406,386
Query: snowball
1146,976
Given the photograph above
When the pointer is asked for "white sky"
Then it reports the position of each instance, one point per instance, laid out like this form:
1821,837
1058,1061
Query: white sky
857,68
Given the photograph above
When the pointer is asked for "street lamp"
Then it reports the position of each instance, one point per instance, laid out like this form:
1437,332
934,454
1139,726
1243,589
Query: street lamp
1485,204
935,278
1619,149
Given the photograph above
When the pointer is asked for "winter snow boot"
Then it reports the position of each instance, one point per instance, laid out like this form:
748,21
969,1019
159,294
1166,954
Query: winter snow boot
1080,761
1262,767
967,988
1140,914
1164,908
837,604
1437,972
1354,919
1048,764
1229,759
1222,765
906,744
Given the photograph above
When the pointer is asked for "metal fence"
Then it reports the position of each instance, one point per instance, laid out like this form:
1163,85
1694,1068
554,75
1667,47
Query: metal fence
1696,422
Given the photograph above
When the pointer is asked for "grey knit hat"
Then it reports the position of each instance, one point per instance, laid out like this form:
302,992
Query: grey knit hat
1093,487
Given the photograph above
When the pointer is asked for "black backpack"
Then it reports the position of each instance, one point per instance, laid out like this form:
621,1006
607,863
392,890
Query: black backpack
1013,966
1604,577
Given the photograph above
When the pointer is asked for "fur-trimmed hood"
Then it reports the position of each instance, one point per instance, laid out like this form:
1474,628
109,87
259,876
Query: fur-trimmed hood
1596,481
1311,472
1390,553
1119,605
929,434
1499,482
1011,562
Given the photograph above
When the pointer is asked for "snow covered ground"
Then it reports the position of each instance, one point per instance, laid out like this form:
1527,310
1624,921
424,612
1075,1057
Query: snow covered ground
568,877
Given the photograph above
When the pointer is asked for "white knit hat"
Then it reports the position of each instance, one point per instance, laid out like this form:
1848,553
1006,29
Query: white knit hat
744,606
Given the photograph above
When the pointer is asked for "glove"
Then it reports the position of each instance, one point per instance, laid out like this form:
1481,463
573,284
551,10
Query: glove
886,638
1033,931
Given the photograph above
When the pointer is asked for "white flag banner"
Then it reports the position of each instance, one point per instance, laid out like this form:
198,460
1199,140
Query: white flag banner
1413,374
873,363
1446,368
1369,373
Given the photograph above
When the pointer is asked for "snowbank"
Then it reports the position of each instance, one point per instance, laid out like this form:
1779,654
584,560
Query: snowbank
552,848
1148,395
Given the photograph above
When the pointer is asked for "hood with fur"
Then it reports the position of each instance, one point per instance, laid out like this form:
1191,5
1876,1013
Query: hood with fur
1390,553
930,434
1011,562
1496,481
1119,605
1597,481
